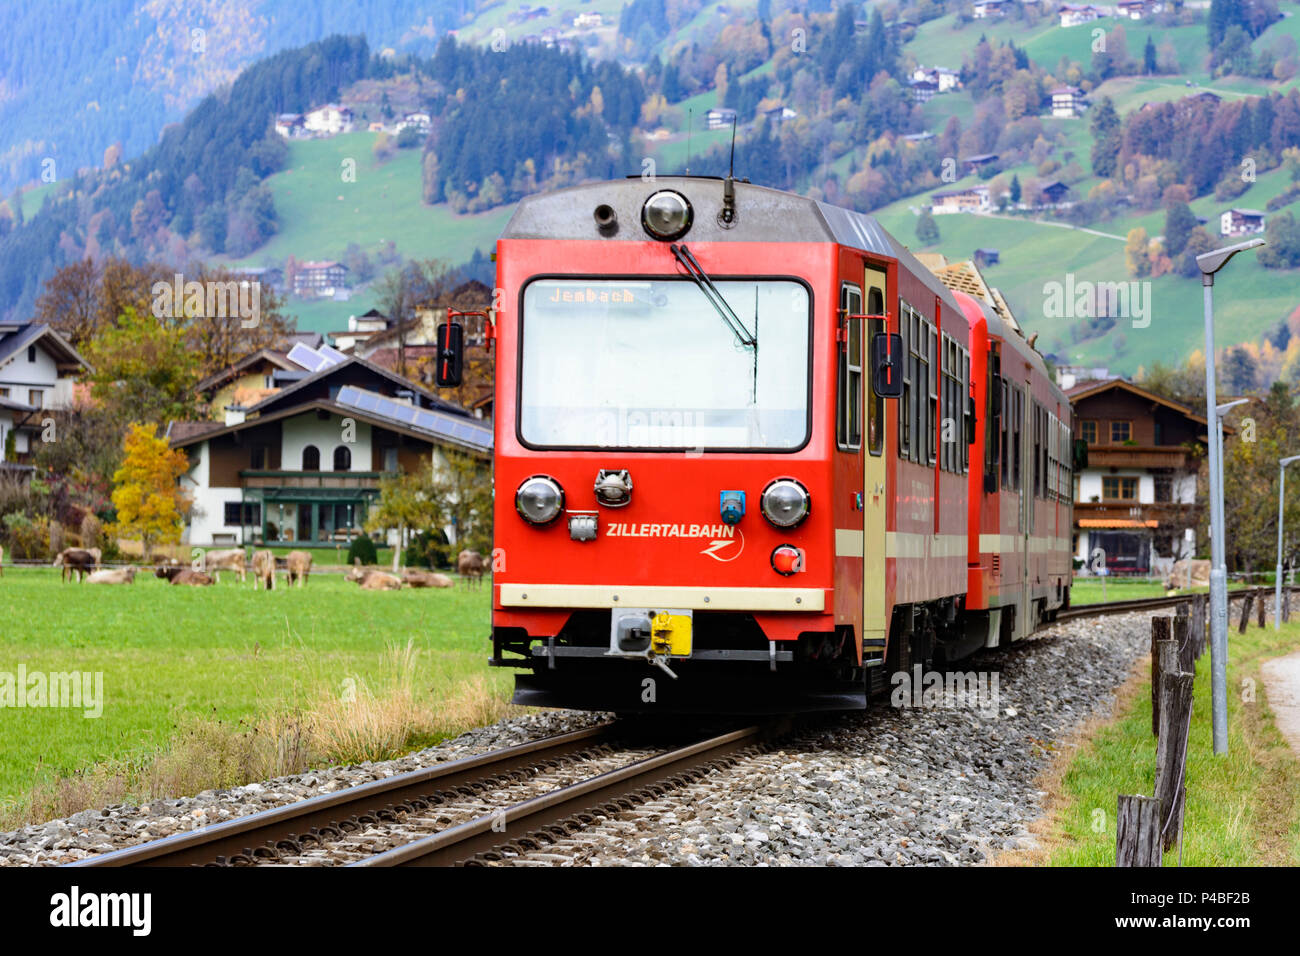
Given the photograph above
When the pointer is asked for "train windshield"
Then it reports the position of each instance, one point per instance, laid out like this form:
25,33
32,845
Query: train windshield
649,364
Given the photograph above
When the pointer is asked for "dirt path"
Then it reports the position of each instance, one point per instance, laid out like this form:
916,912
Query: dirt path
1282,686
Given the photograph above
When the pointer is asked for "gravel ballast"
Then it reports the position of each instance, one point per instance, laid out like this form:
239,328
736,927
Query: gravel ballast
944,783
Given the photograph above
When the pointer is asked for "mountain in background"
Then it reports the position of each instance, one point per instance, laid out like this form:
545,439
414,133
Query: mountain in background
78,76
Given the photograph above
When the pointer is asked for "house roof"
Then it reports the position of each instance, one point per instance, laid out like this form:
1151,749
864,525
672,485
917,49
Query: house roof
50,340
181,435
11,405
1088,389
353,361
1252,213
233,371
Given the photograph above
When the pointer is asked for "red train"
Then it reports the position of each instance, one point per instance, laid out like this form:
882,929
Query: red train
751,455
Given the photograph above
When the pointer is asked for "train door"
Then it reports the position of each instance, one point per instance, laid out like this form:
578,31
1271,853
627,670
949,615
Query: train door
874,624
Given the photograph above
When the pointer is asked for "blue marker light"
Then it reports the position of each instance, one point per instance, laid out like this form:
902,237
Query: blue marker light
732,506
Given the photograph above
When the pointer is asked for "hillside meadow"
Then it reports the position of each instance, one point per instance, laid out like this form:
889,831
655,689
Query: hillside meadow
205,686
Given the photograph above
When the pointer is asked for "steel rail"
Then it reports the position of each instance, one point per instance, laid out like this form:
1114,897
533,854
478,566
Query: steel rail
247,834
546,813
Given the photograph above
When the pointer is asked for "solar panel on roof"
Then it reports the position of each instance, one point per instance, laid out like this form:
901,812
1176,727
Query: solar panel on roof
306,357
331,353
436,423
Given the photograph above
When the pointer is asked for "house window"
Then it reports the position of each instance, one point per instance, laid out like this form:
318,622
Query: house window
36,397
1120,432
31,353
257,457
4,392
1088,432
1164,487
251,514
1117,488
311,458
342,458
390,459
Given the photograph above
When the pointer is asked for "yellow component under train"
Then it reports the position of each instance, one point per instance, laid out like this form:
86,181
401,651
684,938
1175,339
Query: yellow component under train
671,634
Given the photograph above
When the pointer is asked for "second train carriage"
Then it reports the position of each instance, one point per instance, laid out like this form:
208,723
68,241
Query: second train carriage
751,455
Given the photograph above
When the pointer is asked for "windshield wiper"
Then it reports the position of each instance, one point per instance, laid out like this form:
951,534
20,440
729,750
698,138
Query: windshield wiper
732,321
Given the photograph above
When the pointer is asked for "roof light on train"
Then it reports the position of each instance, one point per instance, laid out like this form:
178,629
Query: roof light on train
667,215
539,500
785,502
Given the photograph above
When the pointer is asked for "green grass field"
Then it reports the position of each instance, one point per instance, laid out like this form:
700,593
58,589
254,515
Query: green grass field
1243,809
174,656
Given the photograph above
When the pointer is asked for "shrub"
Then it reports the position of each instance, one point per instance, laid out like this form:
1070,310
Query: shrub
362,547
429,549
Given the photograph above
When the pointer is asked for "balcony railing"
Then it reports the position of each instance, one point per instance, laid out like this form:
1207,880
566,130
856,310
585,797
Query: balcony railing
256,478
1138,456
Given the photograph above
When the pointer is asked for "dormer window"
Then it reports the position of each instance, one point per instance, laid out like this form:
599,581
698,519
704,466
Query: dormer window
31,353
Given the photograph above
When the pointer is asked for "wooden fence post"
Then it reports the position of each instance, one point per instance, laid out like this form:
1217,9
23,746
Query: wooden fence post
1245,612
1171,750
1261,609
1286,604
1159,637
1137,831
1183,641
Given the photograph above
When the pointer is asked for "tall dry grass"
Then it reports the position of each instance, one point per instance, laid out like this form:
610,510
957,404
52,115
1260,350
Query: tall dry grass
336,722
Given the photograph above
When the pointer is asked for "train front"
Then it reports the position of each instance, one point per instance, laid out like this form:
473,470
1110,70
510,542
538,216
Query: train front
663,529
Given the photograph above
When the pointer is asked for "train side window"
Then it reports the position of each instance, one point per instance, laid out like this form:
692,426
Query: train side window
1018,401
849,421
1008,412
992,424
905,400
1037,440
964,400
932,383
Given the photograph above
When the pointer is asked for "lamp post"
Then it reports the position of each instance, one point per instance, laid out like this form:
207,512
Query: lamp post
1277,579
1210,263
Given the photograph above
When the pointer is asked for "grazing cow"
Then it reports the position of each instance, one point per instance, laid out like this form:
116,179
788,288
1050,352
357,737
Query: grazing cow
76,561
1177,577
380,581
115,576
471,566
264,570
299,566
184,576
232,560
425,579
168,574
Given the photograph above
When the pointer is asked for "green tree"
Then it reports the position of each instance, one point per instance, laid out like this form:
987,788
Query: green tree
1149,63
1106,138
406,503
143,369
927,230
462,488
1015,188
1179,223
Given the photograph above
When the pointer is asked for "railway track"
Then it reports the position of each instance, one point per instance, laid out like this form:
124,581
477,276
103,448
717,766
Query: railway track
485,808
1156,603
464,811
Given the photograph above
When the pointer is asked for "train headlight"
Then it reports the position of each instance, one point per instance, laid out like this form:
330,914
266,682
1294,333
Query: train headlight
539,500
785,502
666,215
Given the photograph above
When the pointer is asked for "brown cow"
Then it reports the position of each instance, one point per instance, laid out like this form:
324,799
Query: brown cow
115,576
184,576
425,579
168,573
380,581
299,566
264,569
470,565
76,561
233,559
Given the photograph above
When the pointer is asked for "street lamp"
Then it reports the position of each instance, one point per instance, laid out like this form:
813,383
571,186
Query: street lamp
1277,584
1210,263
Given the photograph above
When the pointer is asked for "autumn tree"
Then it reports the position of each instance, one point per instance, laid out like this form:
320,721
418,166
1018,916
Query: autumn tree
1136,253
70,301
462,489
406,503
149,500
143,369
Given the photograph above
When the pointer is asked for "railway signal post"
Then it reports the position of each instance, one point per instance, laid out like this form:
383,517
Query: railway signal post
1210,263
